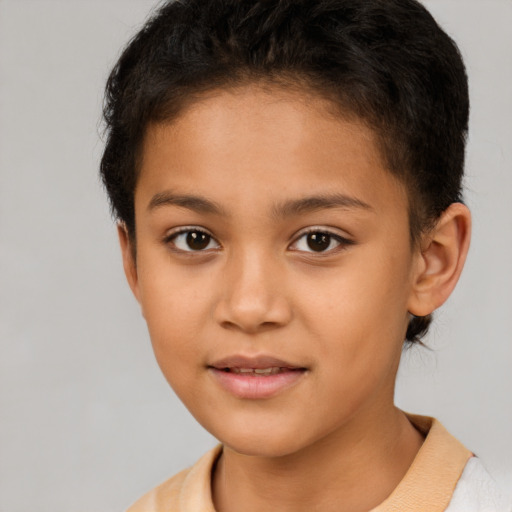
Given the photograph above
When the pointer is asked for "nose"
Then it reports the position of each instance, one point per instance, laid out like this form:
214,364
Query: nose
253,297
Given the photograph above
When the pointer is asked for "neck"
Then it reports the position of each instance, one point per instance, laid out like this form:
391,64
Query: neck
345,468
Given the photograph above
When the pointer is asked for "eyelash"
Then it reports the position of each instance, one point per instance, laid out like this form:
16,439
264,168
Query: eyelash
171,238
340,240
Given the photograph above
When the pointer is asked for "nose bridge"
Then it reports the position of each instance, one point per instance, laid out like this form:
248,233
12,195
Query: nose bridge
253,296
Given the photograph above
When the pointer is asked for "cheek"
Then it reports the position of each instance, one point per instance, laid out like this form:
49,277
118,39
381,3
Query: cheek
176,307
363,297
358,316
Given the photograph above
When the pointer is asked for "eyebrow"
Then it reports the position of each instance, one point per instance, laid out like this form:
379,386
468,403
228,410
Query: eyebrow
194,203
315,203
283,210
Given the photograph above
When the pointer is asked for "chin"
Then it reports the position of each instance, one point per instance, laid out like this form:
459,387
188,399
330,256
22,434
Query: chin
265,440
266,447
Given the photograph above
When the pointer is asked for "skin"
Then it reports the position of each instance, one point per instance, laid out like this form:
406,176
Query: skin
333,440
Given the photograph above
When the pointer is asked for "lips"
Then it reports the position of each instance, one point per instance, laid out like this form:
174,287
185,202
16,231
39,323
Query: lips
255,377
254,363
257,371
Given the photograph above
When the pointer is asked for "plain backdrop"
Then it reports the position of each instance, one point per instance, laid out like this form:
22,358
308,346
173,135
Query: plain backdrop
87,422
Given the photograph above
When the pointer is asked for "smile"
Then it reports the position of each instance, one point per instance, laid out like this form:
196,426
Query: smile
255,378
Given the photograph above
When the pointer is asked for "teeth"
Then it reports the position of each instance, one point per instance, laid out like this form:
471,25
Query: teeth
266,371
259,371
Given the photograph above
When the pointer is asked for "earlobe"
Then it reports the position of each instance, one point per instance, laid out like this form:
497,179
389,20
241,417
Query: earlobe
129,264
441,260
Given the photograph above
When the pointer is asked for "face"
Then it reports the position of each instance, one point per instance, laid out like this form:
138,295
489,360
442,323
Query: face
274,268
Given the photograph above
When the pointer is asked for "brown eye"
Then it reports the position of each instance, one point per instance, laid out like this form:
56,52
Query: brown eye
318,242
192,240
197,240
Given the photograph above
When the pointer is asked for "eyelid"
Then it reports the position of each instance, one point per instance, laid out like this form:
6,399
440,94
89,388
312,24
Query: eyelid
175,232
342,240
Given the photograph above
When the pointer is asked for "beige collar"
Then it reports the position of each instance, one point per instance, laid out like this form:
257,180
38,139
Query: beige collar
434,473
430,481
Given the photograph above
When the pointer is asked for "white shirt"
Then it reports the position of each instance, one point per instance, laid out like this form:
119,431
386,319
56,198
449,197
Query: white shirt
476,491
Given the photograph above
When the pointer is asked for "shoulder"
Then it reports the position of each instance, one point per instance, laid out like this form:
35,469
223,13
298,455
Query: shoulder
186,491
476,491
164,495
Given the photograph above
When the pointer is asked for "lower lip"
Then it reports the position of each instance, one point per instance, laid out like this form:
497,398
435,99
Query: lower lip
256,387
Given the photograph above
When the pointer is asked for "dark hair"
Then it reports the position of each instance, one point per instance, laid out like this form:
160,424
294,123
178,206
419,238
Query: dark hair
387,62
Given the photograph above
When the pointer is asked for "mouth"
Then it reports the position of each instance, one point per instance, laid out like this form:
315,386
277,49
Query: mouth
255,378
259,372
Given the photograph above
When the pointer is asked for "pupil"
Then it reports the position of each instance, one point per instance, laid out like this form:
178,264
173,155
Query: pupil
318,241
197,240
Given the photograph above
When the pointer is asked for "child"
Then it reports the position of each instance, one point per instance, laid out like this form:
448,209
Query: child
287,180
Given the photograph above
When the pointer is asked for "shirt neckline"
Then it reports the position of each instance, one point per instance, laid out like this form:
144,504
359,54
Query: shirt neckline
431,478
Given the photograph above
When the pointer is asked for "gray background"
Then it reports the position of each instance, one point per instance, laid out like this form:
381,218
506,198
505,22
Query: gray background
87,422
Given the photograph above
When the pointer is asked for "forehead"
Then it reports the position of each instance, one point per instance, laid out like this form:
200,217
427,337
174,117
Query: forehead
234,143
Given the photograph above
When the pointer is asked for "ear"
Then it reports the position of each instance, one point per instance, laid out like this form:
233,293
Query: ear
129,264
440,260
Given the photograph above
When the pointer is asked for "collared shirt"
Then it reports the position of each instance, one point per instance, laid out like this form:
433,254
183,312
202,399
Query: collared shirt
429,484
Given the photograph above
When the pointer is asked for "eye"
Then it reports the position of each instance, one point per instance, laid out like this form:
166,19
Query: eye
192,240
319,241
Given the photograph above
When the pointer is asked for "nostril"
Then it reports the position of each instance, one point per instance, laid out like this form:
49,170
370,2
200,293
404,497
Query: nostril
251,328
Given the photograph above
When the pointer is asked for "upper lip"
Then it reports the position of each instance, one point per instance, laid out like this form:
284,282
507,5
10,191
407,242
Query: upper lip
256,362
